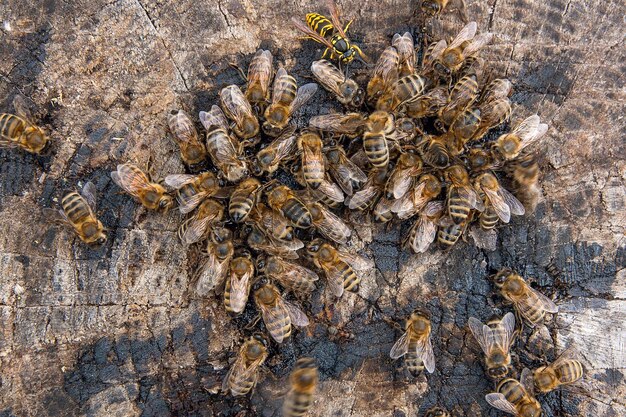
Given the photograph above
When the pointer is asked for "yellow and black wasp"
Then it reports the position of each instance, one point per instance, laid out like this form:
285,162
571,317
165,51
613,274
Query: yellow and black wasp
330,34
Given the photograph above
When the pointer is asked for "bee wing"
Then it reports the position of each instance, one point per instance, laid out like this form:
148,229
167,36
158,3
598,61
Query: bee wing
348,172
411,203
530,130
515,206
406,49
425,233
182,127
239,289
568,354
470,194
328,75
467,33
497,202
312,158
434,53
301,26
303,95
387,65
477,43
130,178
424,351
482,333
498,88
214,118
22,109
499,401
334,17
348,124
547,304
402,183
260,69
188,204
334,278
89,194
193,229
211,274
178,180
333,227
294,273
357,262
484,239
433,208
235,103
298,317
225,151
527,381
330,190
365,195
274,314
400,348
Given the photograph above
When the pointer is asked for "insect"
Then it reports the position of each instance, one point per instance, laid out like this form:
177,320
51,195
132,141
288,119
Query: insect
310,145
329,224
287,98
278,151
449,232
464,45
379,124
424,230
289,275
563,371
461,195
328,193
243,374
278,315
350,124
525,172
406,51
416,345
405,90
382,210
238,282
385,74
436,412
496,89
77,210
192,189
18,130
434,8
259,241
243,199
492,114
260,73
495,339
192,150
427,188
284,200
339,267
516,397
224,151
408,167
345,172
465,126
213,269
525,133
370,192
331,34
195,228
502,201
239,110
346,90
464,92
303,381
434,150
135,182
428,104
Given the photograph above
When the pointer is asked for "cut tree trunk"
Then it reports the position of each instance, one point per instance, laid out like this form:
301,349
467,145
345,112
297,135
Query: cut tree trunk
116,331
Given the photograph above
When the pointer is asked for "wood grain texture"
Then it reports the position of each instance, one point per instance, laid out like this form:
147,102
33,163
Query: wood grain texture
114,331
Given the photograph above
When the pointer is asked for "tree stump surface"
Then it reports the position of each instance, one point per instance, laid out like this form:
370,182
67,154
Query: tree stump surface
115,331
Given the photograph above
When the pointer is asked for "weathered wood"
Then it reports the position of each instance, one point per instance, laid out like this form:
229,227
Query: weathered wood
115,332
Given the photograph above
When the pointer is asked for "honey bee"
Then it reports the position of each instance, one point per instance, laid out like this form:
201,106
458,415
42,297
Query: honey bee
428,104
379,124
473,65
192,189
406,51
385,74
328,193
284,200
435,151
405,90
495,339
516,397
563,371
243,199
195,228
214,119
408,167
259,76
350,124
370,192
450,232
434,8
424,230
488,218
345,89
427,188
480,159
432,56
329,224
212,271
278,315
525,172
192,151
339,267
291,276
18,130
260,241
287,98
273,223
279,150
462,95
527,132
347,174
528,302
310,145
243,374
238,283
464,45
499,199
78,212
492,114
382,210
303,381
462,197
238,109
465,126
136,183
436,412
416,345
224,152
497,89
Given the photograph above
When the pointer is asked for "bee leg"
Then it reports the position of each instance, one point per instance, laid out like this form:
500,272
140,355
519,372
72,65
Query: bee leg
393,324
253,323
239,70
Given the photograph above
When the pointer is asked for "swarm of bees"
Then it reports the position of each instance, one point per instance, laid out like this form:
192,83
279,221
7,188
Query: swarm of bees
416,144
